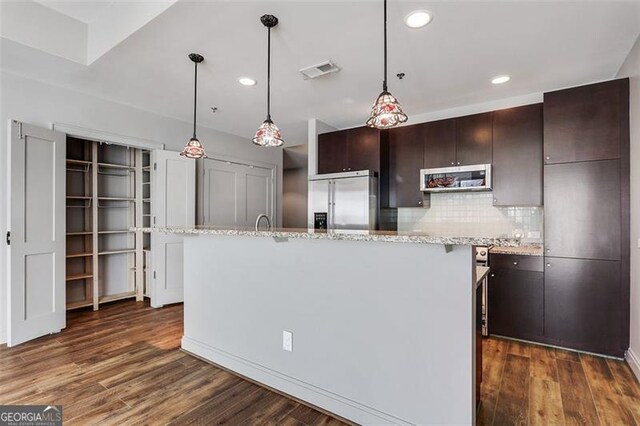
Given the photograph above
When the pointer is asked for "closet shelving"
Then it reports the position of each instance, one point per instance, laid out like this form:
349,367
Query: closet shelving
106,196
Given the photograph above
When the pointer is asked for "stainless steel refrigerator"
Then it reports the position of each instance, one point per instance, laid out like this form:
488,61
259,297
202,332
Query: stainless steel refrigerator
343,201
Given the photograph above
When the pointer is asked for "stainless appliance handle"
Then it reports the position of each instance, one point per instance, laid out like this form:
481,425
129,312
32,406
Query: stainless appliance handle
330,206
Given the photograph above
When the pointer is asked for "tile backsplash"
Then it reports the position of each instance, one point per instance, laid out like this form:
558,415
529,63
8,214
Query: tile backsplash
472,214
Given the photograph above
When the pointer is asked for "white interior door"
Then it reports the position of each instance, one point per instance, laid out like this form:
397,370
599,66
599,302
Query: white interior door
36,274
222,189
174,204
235,194
259,194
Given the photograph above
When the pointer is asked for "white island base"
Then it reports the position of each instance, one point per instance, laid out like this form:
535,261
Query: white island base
383,333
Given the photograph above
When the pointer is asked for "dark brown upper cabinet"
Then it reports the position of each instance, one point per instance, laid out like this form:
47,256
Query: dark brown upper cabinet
439,143
458,141
332,152
349,150
406,145
517,156
474,139
582,210
586,123
363,149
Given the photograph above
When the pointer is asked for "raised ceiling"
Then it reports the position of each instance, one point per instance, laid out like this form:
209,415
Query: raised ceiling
449,63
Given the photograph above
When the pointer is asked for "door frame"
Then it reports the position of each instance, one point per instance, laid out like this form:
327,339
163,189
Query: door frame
242,162
106,137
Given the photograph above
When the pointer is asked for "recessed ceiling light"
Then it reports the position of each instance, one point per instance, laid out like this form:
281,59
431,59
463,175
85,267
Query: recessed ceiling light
246,81
418,19
500,79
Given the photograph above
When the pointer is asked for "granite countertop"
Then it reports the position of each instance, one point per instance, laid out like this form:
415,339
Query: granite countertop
384,236
523,250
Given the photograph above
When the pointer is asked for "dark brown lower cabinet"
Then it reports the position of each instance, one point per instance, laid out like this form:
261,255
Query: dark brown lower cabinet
516,297
584,305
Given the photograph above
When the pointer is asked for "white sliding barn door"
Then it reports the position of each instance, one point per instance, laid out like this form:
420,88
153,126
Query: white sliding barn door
236,194
174,205
36,274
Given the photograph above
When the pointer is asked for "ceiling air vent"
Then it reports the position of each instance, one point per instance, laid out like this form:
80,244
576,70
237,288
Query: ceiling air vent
317,70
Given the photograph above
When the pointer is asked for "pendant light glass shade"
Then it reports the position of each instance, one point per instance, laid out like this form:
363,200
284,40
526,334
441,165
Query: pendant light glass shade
386,112
268,134
193,148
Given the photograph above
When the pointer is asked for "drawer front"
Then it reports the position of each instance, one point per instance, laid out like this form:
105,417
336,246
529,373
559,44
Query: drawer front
517,262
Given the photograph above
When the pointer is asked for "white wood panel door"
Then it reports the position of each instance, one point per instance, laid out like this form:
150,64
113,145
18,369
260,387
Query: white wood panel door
259,194
36,273
235,194
222,188
174,205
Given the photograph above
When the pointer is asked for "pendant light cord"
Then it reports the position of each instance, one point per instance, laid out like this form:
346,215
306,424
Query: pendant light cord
269,73
195,98
384,83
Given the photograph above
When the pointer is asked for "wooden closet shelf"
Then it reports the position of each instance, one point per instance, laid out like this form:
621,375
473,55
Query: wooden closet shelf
76,277
107,252
116,166
119,296
123,231
79,304
72,255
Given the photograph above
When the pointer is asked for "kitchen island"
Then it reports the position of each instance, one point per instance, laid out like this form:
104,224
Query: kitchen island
377,328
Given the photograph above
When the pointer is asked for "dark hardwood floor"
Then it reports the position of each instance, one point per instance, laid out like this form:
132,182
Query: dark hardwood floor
535,385
122,365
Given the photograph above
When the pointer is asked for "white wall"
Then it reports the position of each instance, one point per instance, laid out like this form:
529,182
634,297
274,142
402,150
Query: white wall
41,104
631,68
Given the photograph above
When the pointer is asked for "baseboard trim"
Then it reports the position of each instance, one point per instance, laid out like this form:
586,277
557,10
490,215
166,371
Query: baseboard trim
311,394
634,362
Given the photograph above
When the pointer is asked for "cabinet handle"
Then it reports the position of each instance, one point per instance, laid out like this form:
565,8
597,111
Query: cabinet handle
349,168
548,264
452,163
344,170
458,163
515,263
493,275
419,202
548,158
548,250
495,200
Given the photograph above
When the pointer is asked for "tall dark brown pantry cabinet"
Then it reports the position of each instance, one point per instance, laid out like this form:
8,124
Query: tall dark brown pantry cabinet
586,199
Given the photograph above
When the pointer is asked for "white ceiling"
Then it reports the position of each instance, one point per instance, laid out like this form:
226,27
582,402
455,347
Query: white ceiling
83,11
542,45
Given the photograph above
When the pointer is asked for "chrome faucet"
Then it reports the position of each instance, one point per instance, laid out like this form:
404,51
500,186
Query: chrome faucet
258,221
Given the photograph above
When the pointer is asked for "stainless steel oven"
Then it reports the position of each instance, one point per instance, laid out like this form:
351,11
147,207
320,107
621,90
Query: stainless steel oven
482,259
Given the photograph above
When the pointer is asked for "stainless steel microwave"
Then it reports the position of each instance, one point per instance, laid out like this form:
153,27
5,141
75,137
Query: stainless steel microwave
459,178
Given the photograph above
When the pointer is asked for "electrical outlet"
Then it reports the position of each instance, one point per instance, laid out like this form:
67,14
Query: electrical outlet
287,341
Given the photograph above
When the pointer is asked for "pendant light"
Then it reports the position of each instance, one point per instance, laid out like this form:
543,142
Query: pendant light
193,148
268,133
386,111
